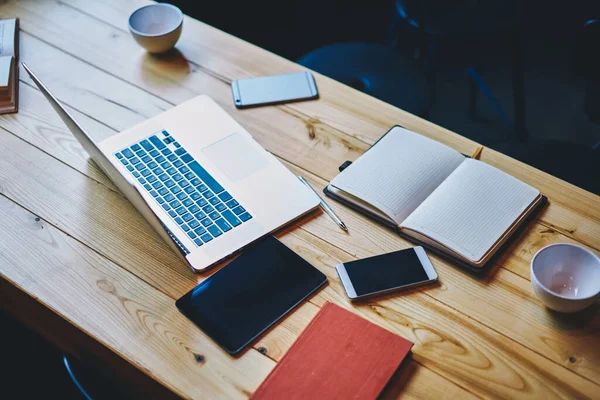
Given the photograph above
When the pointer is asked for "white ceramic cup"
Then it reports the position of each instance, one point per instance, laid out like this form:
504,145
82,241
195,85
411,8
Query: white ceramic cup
156,27
566,277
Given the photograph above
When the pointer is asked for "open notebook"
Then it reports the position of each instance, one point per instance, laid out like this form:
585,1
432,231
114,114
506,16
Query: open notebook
436,196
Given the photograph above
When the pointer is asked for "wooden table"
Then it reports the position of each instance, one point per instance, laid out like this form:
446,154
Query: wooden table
82,267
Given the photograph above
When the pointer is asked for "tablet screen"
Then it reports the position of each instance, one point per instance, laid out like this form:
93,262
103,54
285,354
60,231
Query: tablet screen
247,296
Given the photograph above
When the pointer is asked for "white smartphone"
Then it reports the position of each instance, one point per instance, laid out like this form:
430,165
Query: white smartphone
386,273
274,89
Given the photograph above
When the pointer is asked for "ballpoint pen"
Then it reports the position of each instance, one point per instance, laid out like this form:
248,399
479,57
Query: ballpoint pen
325,206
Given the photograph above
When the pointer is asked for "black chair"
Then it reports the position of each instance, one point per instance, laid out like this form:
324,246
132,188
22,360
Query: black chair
453,34
375,69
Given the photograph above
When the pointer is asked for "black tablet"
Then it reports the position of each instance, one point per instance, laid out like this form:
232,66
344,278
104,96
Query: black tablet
247,296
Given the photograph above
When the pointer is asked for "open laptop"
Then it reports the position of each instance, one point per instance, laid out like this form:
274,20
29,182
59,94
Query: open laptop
198,177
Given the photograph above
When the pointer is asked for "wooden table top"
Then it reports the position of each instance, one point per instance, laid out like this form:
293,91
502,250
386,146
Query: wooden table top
81,266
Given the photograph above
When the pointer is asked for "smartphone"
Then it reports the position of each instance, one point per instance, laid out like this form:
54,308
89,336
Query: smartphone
274,89
386,273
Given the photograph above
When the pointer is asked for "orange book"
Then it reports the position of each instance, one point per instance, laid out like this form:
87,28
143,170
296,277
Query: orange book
338,356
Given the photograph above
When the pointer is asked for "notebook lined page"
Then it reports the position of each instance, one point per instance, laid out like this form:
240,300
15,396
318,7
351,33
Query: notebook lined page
472,209
399,172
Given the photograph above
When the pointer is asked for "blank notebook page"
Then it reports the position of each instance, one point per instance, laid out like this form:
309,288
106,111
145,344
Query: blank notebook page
399,172
472,209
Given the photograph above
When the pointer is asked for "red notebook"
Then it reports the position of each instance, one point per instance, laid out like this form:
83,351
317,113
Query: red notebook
338,356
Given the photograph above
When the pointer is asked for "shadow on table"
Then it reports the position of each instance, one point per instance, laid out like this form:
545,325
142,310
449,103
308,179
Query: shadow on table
172,64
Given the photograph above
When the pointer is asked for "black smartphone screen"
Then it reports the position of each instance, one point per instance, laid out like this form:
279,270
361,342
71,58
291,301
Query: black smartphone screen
387,271
247,296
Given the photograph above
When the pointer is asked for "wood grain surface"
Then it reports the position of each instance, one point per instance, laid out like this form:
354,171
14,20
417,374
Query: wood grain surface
73,247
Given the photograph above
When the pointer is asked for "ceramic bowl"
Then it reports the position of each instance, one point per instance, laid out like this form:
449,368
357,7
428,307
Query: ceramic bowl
566,277
156,27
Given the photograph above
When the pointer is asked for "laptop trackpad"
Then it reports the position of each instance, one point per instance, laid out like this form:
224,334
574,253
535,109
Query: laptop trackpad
235,157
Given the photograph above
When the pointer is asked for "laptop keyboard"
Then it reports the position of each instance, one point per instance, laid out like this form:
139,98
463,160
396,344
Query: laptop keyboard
201,207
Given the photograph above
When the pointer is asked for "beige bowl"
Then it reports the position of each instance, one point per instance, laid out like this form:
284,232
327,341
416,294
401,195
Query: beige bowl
156,27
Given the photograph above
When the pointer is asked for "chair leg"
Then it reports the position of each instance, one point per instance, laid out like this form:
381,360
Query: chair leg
475,76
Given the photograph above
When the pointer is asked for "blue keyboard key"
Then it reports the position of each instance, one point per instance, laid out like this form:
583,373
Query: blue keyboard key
238,210
208,209
190,190
225,196
176,144
221,207
171,171
177,177
145,172
169,183
175,204
140,166
188,202
129,167
128,153
195,196
200,231
163,177
206,221
202,188
152,165
194,208
185,227
119,155
166,152
172,213
195,181
154,153
165,133
187,217
153,193
177,163
199,215
157,184
214,215
184,170
187,158
192,235
232,203
146,145
172,157
124,161
169,140
157,171
181,196
245,217
142,180
221,223
163,191
206,237
214,201
206,177
169,197
160,200
180,151
184,184
202,202
140,153
198,242
194,224
165,165
157,142
231,218
166,207
189,175
208,195
181,210
160,159
175,189
146,159
148,187
151,178
179,221
136,147
214,230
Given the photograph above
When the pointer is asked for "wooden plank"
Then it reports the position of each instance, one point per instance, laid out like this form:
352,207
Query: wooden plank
373,231
121,312
158,78
339,105
450,343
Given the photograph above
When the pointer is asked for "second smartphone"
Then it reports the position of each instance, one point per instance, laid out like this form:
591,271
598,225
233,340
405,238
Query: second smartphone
274,89
386,273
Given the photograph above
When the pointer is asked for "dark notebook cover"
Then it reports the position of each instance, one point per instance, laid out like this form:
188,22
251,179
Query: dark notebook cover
338,356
